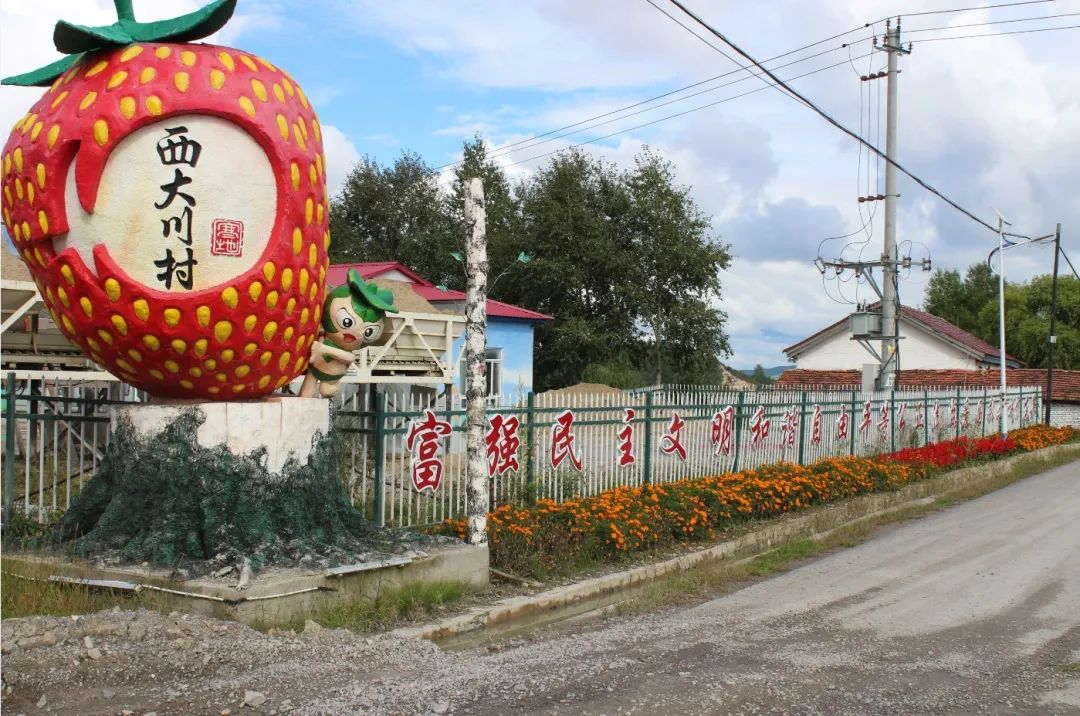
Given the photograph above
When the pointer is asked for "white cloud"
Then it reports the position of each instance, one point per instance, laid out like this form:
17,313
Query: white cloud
989,122
341,154
548,45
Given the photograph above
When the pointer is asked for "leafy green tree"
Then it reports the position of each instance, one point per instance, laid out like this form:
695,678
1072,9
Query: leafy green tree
571,215
394,213
961,301
617,375
972,303
677,285
503,216
623,261
1027,322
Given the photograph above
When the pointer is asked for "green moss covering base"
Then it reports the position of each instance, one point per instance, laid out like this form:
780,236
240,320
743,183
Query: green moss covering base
167,500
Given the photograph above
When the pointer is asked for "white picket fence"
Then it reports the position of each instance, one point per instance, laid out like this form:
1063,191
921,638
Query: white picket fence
565,445
673,435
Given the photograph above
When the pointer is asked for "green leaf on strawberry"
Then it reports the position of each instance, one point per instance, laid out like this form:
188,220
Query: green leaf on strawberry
75,40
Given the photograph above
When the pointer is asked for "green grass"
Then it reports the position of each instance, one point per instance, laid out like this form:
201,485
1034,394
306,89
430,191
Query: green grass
30,594
779,559
389,609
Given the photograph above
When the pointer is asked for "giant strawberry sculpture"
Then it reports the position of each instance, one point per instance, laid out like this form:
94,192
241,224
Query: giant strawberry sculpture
170,201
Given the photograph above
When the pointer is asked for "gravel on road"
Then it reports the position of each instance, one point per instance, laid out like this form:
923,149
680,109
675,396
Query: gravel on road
972,610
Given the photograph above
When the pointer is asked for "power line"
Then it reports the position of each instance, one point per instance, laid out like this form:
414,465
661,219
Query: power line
996,34
681,114
552,136
531,141
691,31
1065,256
994,22
977,7
831,120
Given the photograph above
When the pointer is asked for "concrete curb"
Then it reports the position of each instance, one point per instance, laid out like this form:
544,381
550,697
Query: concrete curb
572,599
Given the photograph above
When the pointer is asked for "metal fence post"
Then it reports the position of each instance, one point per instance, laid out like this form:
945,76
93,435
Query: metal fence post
958,411
926,417
530,438
646,476
984,413
893,421
851,423
738,431
380,458
9,449
802,428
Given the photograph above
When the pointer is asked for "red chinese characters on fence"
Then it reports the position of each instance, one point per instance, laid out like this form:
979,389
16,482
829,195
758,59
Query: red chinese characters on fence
722,426
759,426
883,420
842,423
626,440
815,426
502,444
671,443
422,441
867,419
562,441
789,428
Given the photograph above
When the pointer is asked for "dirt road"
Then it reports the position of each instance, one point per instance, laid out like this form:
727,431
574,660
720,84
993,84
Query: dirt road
974,609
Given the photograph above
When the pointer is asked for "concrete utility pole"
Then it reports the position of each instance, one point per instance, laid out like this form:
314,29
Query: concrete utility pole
890,303
476,270
868,325
1053,336
1001,323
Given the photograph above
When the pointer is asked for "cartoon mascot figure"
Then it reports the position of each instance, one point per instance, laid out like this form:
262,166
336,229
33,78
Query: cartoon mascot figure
353,316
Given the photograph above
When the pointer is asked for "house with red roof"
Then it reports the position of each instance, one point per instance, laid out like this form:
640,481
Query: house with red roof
926,342
509,330
934,354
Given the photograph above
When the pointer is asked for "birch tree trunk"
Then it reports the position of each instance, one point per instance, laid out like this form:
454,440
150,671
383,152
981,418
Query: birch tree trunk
476,269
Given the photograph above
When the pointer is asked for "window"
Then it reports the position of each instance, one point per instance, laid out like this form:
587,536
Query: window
493,362
493,371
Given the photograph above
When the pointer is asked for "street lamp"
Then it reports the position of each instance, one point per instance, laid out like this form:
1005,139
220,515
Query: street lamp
1003,244
1001,318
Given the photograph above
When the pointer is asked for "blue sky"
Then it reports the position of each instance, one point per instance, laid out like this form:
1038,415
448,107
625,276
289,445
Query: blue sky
991,122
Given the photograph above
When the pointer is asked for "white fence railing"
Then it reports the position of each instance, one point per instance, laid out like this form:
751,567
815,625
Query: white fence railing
565,446
402,450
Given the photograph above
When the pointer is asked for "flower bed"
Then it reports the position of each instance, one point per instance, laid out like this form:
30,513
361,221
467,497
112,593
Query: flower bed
555,537
954,452
1040,436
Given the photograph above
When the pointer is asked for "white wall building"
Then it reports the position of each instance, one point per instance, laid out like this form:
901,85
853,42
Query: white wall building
927,343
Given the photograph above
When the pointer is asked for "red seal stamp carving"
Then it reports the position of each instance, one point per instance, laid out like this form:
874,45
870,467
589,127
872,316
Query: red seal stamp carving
227,238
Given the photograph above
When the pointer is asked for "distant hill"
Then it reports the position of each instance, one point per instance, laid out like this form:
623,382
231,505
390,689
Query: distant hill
773,372
777,370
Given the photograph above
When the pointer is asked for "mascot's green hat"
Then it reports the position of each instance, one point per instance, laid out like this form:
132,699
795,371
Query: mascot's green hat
369,302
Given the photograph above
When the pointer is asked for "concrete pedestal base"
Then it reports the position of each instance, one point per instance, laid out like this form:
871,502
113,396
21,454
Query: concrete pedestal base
285,426
276,596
